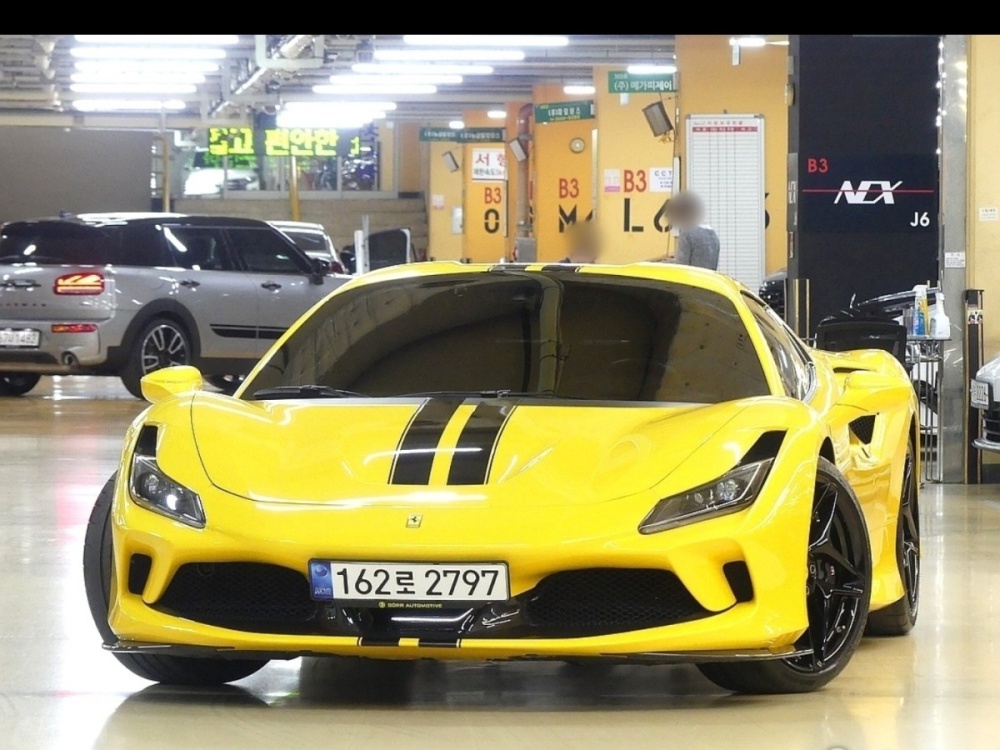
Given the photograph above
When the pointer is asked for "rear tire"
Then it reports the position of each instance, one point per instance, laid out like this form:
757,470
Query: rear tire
98,573
838,592
17,383
900,617
162,342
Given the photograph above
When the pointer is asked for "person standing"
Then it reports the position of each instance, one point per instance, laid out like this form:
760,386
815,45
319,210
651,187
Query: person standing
584,243
697,243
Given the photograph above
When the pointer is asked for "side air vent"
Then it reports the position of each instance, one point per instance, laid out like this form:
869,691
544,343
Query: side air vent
863,428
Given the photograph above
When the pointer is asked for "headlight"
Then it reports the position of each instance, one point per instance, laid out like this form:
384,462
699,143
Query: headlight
154,490
730,493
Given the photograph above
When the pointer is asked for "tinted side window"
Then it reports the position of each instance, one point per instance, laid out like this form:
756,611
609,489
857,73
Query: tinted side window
792,362
143,245
198,248
267,251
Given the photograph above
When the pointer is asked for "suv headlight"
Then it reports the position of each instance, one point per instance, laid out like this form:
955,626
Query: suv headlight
154,490
730,493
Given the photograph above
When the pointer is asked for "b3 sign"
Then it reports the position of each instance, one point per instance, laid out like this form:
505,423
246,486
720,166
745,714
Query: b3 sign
868,194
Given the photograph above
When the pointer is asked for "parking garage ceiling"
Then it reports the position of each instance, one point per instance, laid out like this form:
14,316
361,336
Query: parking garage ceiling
46,79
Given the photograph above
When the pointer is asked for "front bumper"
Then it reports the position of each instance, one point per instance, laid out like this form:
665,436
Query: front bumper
766,625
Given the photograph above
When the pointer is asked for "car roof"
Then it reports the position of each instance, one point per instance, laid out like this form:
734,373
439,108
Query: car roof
120,219
303,225
649,270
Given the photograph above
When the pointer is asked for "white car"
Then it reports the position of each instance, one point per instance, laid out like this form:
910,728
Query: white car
209,181
984,394
311,239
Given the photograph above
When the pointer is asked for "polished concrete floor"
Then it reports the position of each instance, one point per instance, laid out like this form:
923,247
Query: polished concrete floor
938,688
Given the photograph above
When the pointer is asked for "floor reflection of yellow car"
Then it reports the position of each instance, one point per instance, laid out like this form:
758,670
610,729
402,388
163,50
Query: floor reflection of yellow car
452,461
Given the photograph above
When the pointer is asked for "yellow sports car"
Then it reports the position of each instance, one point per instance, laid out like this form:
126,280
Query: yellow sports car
449,461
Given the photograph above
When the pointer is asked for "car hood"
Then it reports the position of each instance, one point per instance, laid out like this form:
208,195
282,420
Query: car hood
365,451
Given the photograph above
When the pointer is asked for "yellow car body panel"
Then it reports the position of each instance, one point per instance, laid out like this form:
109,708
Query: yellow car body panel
286,482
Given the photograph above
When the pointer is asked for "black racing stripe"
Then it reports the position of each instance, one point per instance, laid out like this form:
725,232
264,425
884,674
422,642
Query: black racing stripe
474,452
416,450
434,643
367,641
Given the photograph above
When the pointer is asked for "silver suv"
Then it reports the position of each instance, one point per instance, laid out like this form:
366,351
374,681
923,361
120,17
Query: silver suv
126,294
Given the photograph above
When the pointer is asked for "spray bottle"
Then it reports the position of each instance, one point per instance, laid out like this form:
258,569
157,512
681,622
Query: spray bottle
940,323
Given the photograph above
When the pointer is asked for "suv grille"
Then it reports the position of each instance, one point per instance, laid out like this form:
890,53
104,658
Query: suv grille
597,601
991,426
253,597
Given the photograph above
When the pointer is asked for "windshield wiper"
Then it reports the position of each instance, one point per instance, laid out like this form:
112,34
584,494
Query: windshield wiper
305,391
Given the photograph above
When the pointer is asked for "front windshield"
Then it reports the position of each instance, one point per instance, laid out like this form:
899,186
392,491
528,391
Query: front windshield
556,334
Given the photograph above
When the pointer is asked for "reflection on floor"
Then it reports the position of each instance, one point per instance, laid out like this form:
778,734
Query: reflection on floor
935,689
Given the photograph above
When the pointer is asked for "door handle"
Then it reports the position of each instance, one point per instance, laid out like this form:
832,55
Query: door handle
271,285
190,283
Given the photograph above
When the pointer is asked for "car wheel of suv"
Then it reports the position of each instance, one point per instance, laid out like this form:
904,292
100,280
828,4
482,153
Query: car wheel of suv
161,343
838,593
228,384
17,383
98,576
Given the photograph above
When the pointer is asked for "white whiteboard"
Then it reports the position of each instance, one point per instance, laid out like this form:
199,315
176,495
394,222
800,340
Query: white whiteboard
725,168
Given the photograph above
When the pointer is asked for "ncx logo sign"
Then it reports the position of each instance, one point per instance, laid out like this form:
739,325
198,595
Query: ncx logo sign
868,191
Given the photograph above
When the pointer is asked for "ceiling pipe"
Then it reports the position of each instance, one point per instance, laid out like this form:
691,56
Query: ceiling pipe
289,54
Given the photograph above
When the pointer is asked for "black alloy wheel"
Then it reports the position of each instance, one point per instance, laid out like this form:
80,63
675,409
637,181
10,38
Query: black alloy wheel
837,593
839,582
900,616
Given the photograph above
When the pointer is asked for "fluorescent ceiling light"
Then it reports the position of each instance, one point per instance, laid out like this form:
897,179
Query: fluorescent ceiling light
133,67
343,89
420,69
497,114
456,124
358,79
119,77
651,69
326,119
491,40
338,106
449,55
148,53
160,40
748,41
133,88
780,43
107,105
581,89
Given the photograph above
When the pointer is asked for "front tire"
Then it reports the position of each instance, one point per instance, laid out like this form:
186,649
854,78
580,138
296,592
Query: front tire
162,342
17,383
838,592
98,575
900,616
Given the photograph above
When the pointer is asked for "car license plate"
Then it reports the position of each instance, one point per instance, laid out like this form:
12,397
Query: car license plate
386,584
23,339
980,394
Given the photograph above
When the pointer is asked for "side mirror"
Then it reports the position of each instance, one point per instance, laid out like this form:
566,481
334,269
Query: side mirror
320,269
170,381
